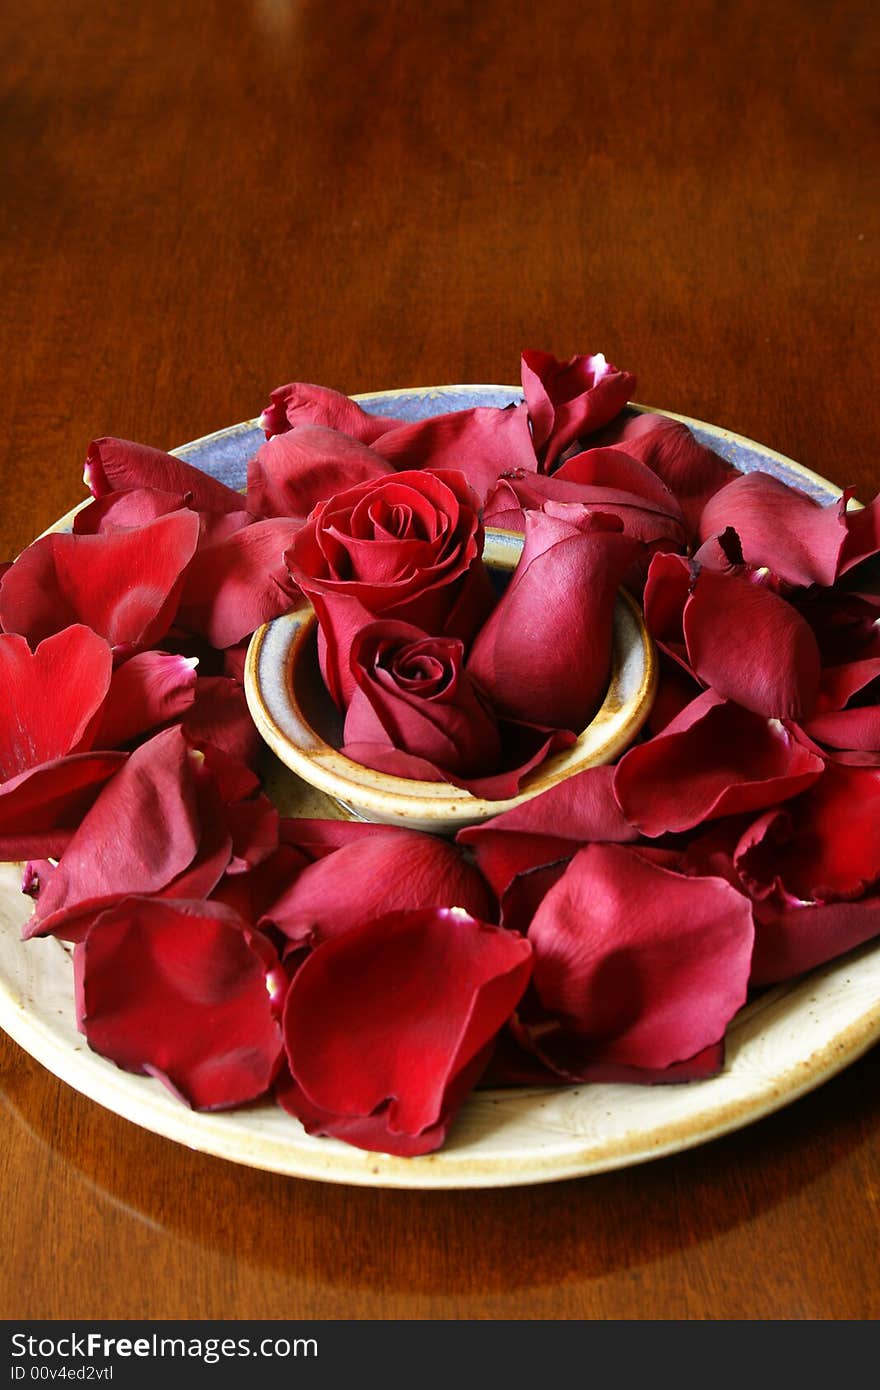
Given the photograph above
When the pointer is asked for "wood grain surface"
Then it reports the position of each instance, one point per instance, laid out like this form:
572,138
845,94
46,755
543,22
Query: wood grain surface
204,201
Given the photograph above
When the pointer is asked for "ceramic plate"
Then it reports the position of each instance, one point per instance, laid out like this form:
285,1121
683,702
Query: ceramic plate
789,1041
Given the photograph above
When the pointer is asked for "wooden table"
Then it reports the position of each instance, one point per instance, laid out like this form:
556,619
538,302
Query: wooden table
204,201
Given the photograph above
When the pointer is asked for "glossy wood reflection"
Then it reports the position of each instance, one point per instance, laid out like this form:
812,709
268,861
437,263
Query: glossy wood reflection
201,202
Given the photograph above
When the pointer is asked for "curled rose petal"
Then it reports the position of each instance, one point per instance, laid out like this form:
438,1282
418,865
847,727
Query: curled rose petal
118,465
823,845
295,471
303,403
644,966
779,528
714,759
544,655
239,582
751,646
382,1025
149,689
49,697
407,547
124,585
568,399
139,835
482,443
178,990
394,869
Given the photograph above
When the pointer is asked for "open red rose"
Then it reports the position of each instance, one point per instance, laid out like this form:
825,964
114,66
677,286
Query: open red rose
407,547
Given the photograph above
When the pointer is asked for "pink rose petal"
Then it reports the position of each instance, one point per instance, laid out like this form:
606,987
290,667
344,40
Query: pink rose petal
302,403
569,399
118,465
149,689
237,583
482,443
294,471
779,528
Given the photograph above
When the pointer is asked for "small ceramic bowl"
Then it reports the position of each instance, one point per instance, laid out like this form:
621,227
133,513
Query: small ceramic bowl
292,709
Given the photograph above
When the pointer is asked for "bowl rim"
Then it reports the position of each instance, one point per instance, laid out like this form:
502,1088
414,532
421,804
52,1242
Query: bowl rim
359,788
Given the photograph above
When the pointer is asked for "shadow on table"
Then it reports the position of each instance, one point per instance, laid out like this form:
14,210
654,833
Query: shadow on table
364,1239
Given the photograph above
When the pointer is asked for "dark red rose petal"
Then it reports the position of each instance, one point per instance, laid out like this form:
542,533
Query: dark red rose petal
645,966
482,443
124,585
120,511
824,844
237,583
302,403
789,942
118,465
139,835
714,759
563,1056
294,471
779,528
548,827
49,697
177,990
568,399
149,689
862,536
219,716
41,808
388,871
693,473
383,1021
751,646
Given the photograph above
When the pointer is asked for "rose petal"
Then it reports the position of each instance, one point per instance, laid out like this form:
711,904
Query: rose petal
149,689
714,759
294,471
548,827
124,585
219,716
178,990
751,646
645,966
824,844
445,984
49,697
693,473
120,511
779,528
482,443
118,465
237,583
790,942
139,835
41,808
568,399
302,403
394,870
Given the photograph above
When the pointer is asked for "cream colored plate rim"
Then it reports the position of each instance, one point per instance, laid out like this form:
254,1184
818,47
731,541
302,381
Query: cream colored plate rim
785,1044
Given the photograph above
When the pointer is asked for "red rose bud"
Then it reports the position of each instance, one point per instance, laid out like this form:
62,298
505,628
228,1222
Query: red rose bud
544,655
414,695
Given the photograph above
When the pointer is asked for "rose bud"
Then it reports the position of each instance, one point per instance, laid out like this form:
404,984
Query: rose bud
413,695
407,547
